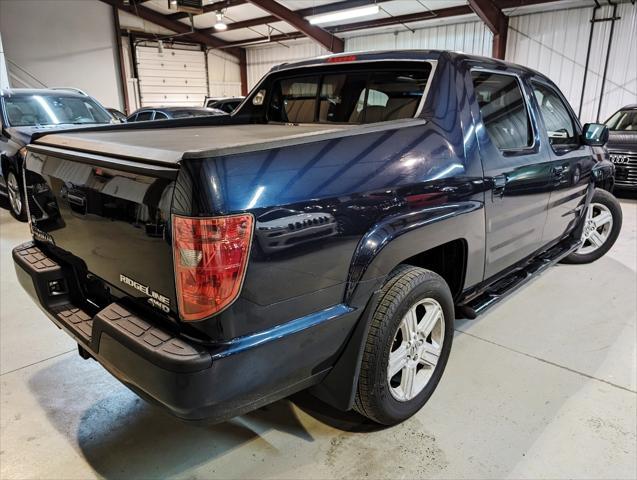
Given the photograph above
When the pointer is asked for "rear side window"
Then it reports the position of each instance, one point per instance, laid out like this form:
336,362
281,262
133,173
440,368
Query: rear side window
349,97
143,116
503,110
160,116
557,120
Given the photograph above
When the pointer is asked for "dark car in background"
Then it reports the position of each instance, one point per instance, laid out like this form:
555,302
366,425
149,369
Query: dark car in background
228,105
165,113
25,112
622,146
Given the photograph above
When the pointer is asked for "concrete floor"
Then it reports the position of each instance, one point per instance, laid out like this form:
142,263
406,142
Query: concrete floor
544,385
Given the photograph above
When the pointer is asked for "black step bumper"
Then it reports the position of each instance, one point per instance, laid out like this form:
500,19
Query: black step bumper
192,380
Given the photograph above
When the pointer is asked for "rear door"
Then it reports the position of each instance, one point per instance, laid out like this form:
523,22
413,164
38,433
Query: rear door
571,160
516,165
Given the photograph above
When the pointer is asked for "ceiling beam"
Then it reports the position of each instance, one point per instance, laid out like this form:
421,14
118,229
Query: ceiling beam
519,3
379,22
334,7
320,36
212,7
303,12
496,21
178,27
403,19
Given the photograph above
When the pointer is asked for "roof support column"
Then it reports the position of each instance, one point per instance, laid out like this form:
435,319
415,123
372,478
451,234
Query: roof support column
243,72
496,21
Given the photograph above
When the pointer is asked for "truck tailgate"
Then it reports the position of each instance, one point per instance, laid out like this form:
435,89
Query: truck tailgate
110,215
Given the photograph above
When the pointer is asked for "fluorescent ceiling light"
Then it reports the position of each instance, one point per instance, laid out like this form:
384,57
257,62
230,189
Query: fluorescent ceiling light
345,14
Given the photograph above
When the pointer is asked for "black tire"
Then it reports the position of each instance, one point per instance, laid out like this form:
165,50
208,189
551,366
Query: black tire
21,213
610,202
405,287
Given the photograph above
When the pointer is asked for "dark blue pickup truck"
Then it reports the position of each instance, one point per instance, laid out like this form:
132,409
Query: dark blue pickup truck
324,236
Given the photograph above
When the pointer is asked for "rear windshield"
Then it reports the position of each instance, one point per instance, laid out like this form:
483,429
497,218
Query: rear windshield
34,110
624,120
349,97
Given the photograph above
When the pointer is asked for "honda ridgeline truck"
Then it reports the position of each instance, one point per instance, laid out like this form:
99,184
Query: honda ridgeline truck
324,236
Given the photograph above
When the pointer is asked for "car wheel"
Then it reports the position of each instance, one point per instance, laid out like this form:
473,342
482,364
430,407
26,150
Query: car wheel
407,346
601,228
16,196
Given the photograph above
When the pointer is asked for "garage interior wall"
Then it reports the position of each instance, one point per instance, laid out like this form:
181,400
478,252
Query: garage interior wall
471,37
259,60
75,49
555,43
224,74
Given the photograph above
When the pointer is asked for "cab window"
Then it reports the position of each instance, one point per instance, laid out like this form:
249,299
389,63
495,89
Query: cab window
359,96
503,110
559,124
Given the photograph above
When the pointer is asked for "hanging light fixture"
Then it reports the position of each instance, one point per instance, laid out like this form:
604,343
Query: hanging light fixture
220,25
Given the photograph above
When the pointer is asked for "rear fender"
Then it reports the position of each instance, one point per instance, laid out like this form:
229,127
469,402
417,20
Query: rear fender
381,250
398,238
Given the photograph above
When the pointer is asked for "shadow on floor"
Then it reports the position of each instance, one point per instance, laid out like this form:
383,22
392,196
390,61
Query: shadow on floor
121,435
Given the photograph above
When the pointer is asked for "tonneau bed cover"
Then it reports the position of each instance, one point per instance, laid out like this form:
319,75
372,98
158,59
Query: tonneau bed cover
168,146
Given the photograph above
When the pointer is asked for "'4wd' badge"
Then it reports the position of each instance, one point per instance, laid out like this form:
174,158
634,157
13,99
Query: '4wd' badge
157,300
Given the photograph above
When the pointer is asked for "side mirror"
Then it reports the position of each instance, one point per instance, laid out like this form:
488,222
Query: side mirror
595,134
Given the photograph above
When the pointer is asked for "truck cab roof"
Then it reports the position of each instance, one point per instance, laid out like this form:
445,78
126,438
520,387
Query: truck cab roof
162,143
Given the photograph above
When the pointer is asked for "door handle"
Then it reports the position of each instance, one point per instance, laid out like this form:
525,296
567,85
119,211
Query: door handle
498,184
558,172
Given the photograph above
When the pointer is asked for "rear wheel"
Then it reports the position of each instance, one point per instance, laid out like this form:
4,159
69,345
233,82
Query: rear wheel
16,196
407,346
601,228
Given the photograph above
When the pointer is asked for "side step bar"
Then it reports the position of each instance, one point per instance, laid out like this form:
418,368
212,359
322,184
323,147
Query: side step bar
500,289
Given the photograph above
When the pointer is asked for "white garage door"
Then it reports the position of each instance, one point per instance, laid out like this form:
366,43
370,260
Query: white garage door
174,77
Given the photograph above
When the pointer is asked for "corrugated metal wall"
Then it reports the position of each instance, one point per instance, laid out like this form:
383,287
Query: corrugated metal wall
555,43
224,76
470,37
261,59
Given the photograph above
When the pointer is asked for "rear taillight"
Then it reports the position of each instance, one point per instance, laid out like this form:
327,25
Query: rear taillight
210,255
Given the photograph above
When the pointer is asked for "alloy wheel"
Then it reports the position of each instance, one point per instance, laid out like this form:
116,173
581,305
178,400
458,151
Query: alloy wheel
416,349
597,228
15,198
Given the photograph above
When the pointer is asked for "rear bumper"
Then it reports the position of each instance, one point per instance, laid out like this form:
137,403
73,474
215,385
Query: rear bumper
191,380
